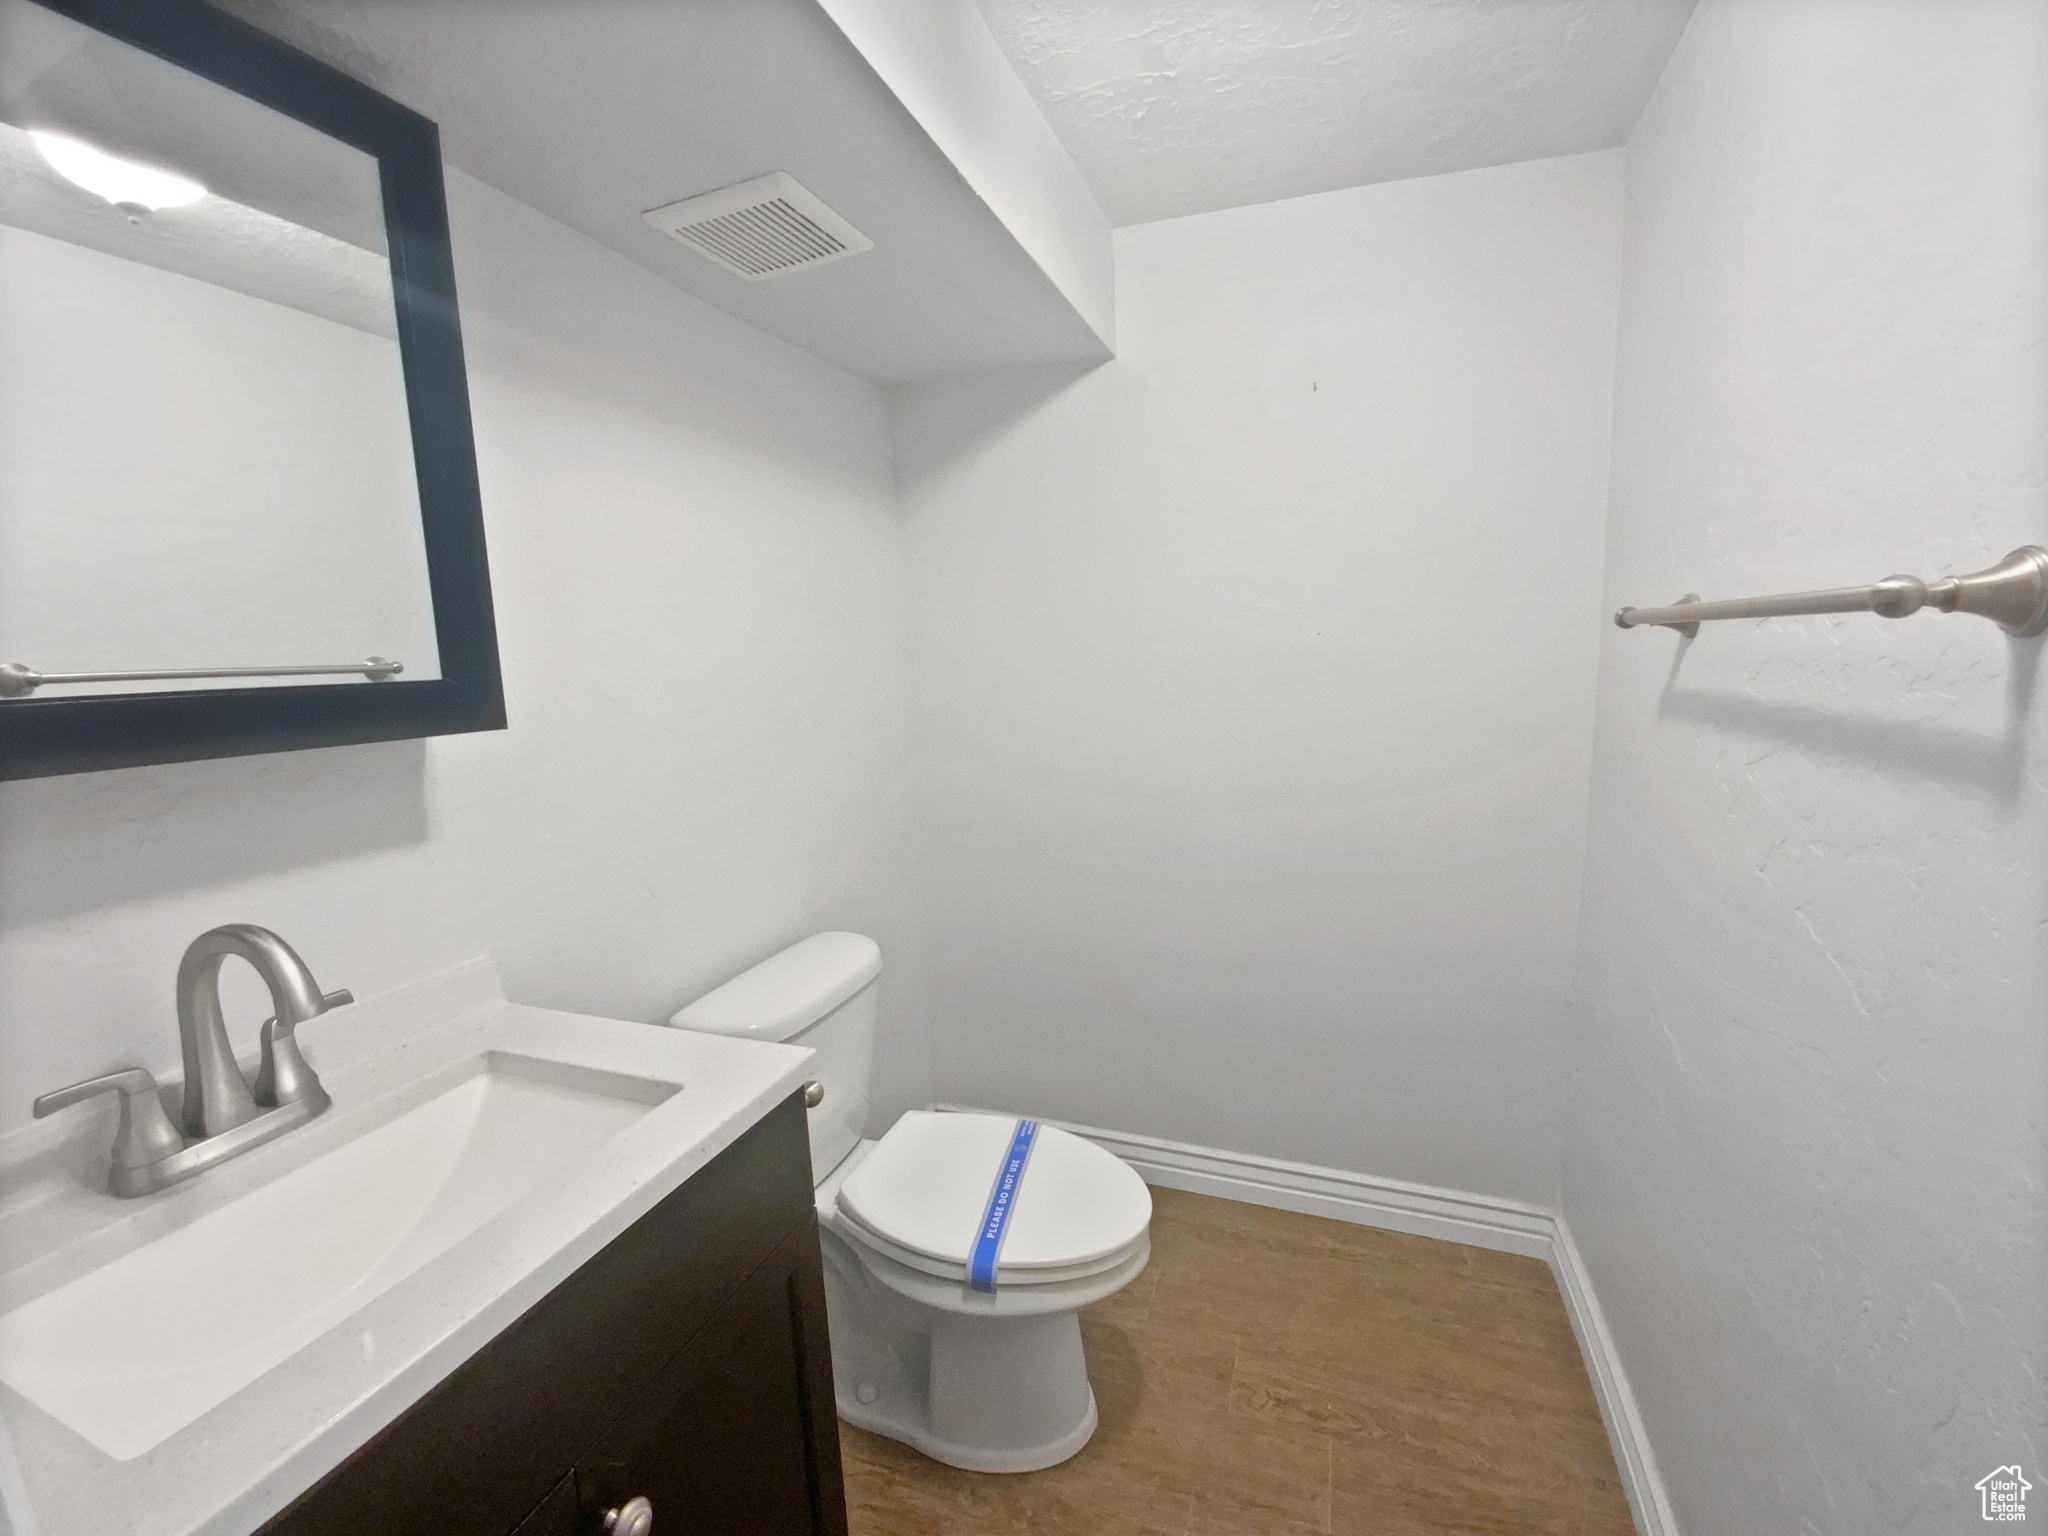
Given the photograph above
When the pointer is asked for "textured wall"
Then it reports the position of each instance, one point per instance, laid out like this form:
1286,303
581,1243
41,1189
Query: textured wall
1255,681
1806,1159
697,568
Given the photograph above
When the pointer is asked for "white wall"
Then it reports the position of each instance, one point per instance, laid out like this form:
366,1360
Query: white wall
192,477
1255,681
1806,1161
697,568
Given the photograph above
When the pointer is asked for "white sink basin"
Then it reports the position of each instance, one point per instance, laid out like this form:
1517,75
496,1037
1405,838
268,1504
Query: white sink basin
130,1353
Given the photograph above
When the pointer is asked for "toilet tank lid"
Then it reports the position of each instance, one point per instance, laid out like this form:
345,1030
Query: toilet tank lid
788,992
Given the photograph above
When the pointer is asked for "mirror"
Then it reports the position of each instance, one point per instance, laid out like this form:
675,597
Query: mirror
238,503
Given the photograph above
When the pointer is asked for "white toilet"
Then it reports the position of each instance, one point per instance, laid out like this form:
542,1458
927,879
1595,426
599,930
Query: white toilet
993,1381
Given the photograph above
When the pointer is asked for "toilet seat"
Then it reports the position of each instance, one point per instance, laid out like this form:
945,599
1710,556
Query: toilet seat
918,1195
1007,1279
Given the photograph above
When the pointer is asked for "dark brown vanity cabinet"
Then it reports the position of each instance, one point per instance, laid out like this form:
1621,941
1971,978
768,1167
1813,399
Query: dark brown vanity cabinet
686,1364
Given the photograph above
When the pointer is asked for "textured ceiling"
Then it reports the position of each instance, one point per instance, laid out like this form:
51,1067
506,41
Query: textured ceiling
1172,107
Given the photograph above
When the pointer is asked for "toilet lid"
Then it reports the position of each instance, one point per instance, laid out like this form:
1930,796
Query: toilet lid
926,1184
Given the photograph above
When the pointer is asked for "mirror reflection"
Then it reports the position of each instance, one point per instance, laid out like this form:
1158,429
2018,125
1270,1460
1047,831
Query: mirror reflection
205,456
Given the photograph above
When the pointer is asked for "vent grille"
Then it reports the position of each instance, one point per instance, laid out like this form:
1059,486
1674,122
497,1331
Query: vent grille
761,228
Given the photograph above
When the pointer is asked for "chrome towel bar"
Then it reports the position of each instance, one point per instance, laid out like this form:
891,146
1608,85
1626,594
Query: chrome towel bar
2012,593
18,682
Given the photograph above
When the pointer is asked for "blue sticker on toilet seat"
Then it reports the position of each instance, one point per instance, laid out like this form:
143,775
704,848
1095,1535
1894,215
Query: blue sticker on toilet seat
1002,1200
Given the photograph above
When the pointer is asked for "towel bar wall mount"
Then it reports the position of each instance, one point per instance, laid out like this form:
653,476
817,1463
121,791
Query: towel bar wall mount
2013,594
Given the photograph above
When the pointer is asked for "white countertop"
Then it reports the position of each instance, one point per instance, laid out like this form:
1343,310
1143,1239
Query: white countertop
238,1464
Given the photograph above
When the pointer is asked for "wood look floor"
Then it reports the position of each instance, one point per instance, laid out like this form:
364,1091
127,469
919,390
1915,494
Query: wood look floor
1283,1374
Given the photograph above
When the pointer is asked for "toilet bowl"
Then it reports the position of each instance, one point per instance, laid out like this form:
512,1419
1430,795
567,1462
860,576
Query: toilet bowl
991,1380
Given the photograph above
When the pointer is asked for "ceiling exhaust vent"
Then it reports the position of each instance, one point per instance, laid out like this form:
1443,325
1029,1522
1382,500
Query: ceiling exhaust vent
761,228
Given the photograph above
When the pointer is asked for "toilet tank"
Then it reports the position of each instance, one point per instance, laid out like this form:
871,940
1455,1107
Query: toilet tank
818,993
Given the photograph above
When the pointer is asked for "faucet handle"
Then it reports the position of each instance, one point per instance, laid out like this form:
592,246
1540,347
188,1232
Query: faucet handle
334,999
146,1134
284,1076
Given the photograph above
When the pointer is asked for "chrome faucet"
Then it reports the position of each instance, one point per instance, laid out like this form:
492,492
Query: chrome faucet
221,1114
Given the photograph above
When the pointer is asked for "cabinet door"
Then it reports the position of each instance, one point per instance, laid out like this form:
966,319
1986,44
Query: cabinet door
481,1452
559,1513
739,1436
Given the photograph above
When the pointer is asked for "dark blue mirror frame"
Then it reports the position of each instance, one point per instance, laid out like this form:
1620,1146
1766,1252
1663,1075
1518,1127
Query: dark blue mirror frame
39,737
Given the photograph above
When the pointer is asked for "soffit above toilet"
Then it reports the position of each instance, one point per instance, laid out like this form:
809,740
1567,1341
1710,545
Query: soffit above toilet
596,111
1172,107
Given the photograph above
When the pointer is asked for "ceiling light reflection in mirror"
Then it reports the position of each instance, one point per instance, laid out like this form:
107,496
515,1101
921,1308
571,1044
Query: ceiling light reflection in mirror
127,184
205,449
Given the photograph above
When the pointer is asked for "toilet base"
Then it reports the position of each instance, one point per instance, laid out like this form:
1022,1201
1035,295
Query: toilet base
901,1416
976,1390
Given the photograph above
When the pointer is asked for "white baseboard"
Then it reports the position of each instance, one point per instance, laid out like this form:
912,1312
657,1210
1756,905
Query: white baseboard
1483,1221
1625,1432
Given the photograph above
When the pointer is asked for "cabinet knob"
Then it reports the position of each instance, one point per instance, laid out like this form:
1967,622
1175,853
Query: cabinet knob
635,1517
814,1094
